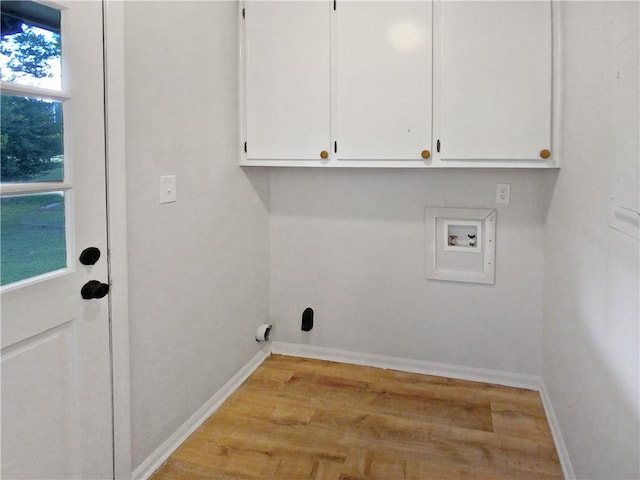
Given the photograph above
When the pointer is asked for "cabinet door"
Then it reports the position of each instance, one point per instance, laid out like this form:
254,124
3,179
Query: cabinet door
287,79
493,84
383,79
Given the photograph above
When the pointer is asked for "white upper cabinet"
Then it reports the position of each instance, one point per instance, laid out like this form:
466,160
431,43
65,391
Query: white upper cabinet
493,81
287,71
383,80
397,83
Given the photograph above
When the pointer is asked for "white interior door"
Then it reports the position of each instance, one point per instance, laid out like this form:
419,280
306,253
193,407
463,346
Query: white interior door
56,386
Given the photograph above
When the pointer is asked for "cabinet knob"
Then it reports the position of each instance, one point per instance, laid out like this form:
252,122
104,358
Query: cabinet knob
426,154
324,154
545,153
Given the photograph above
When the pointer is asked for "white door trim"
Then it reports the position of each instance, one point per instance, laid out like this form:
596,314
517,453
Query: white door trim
113,25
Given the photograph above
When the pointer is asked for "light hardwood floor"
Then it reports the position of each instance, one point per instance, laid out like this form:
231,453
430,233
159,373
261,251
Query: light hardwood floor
297,418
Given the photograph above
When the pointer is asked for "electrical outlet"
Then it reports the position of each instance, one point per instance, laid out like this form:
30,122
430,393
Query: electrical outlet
503,193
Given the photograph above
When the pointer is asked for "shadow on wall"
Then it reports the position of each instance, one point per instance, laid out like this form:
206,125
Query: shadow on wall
402,194
592,367
259,179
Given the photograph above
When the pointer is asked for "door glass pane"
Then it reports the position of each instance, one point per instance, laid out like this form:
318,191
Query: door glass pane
31,140
30,52
33,239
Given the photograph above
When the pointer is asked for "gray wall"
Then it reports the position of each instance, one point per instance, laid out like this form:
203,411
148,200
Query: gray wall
198,267
590,339
351,245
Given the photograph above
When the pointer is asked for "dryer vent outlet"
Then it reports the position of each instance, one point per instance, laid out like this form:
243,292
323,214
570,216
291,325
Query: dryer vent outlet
307,319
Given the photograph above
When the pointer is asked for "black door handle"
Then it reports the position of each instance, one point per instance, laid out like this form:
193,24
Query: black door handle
90,256
94,289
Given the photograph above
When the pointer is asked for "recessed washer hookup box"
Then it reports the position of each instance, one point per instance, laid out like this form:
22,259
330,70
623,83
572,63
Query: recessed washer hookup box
460,244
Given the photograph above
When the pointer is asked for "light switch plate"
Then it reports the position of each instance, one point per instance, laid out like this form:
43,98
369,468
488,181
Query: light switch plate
168,189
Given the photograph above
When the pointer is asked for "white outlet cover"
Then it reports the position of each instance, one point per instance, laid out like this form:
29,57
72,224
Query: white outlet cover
503,193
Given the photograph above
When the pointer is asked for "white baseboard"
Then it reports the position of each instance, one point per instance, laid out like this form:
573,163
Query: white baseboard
561,447
518,380
509,379
162,453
